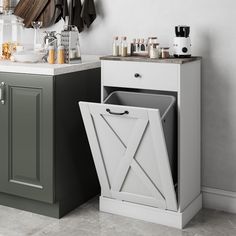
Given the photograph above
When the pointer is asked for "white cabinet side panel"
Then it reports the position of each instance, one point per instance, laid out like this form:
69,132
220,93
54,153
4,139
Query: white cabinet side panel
189,122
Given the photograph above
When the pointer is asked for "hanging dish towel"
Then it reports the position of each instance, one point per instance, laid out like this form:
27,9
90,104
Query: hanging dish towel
88,12
61,11
74,14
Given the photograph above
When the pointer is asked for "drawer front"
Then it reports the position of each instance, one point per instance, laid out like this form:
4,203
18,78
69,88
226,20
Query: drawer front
141,75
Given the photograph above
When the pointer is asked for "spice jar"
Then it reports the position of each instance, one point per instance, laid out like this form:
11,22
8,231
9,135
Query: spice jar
165,52
151,40
51,55
124,47
61,55
154,51
115,47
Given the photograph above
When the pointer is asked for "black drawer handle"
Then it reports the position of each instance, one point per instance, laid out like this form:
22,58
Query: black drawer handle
117,113
137,75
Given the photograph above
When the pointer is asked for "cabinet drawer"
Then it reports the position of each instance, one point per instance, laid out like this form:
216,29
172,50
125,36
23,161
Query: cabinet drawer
141,75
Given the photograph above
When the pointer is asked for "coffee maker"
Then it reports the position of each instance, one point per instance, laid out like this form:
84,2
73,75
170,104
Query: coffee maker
182,42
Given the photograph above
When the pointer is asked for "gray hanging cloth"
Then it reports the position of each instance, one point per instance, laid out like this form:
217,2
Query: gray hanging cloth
74,14
61,10
88,12
65,10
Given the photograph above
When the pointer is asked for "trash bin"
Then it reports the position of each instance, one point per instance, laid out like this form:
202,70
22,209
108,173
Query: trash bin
133,142
165,104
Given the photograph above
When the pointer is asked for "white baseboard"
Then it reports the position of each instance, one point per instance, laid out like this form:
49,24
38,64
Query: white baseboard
151,214
219,199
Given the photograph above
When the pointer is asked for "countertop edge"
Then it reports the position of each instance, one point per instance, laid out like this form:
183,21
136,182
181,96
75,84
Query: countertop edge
144,59
90,62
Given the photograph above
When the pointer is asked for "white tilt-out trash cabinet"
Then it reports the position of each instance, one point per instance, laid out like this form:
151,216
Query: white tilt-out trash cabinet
129,143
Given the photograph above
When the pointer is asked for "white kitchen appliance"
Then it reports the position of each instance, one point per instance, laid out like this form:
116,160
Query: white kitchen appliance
182,42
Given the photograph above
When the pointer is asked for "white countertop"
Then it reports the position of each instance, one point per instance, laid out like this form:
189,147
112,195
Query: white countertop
88,62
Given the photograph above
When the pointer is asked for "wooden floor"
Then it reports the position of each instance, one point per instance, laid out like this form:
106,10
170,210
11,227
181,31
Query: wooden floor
87,220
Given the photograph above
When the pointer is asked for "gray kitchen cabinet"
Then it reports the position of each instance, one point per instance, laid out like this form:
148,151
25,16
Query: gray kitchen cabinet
26,136
45,162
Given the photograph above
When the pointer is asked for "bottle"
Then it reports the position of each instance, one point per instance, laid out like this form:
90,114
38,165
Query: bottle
142,47
138,45
115,47
132,47
124,47
134,42
154,51
151,40
61,55
51,55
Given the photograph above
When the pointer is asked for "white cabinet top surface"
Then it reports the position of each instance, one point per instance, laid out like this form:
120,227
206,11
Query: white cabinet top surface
88,62
171,60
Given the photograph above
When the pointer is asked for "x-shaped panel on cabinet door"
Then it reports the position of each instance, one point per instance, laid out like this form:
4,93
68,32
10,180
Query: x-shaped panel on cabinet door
108,131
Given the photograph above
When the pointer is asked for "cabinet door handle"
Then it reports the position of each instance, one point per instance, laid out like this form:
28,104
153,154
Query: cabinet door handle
2,92
137,75
117,113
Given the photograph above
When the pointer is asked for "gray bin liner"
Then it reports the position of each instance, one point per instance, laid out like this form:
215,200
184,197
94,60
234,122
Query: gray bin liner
166,105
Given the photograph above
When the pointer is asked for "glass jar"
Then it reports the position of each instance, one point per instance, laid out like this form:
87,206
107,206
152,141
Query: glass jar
11,28
115,47
154,51
165,52
124,47
151,41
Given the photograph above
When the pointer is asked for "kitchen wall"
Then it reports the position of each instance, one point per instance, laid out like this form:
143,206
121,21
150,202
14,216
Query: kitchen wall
213,34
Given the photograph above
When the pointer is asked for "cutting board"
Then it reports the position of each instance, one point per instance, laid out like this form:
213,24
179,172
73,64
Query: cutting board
47,15
30,10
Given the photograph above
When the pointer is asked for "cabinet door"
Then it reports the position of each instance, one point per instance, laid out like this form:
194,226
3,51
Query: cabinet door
130,154
26,136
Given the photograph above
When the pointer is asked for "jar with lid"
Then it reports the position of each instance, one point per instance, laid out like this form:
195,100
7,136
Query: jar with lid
124,47
115,47
165,52
154,51
151,41
11,29
60,54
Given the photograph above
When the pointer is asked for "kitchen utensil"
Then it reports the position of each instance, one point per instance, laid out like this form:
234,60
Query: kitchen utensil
70,41
50,39
182,41
30,10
